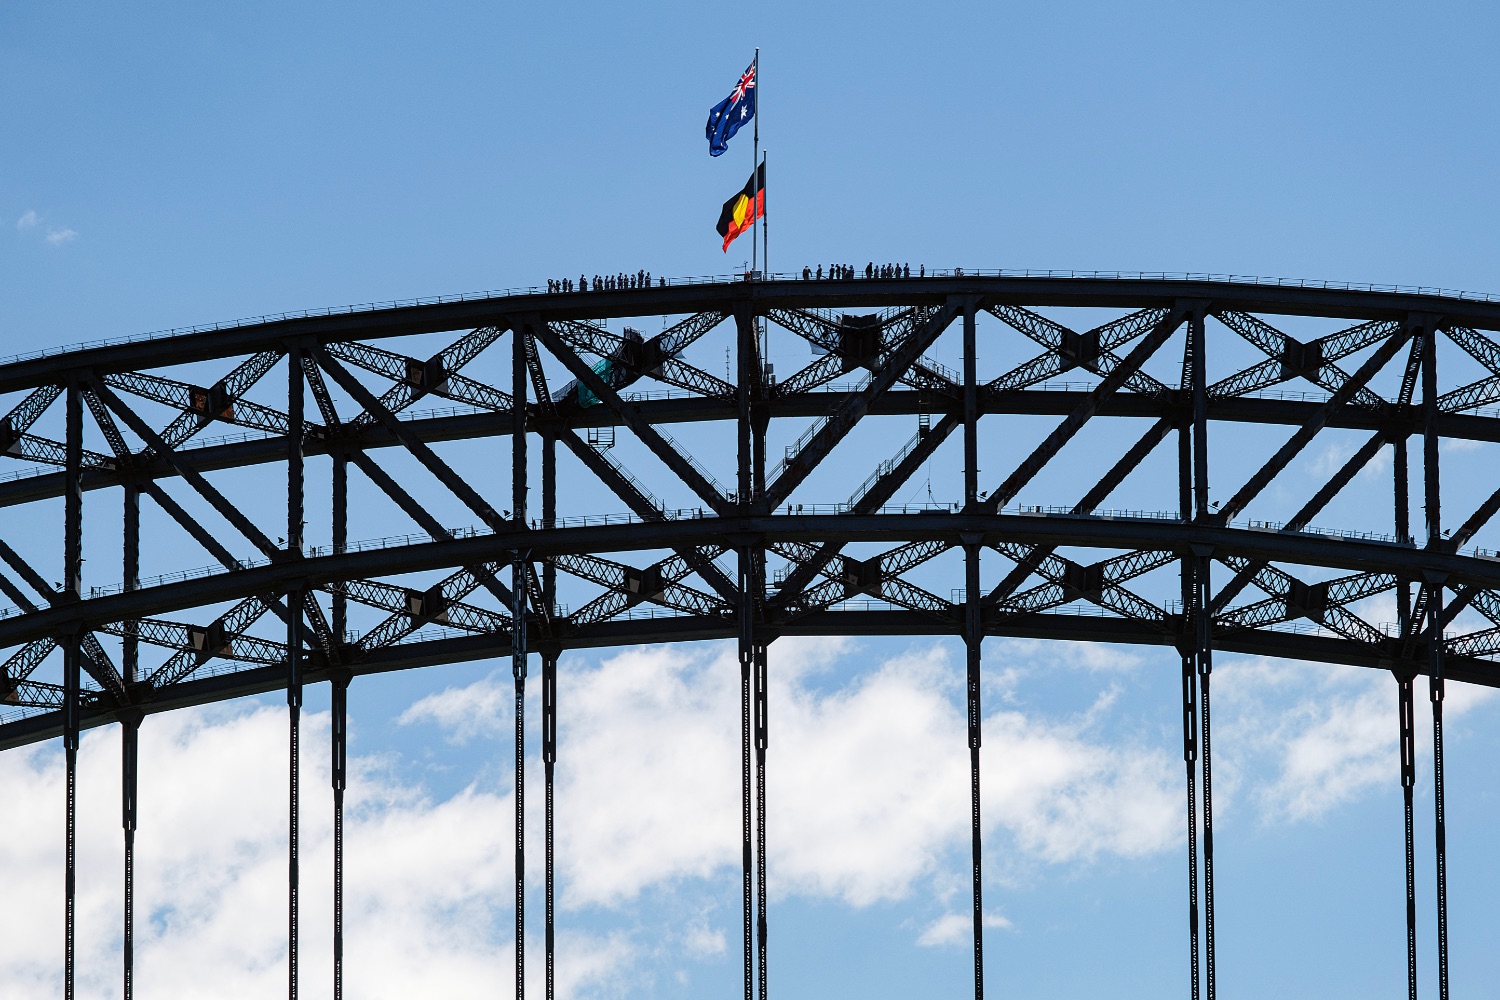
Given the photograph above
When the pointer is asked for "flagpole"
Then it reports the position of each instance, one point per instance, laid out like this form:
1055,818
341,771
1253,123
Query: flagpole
765,261
754,166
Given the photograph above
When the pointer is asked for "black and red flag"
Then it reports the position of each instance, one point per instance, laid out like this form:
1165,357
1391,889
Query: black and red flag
741,211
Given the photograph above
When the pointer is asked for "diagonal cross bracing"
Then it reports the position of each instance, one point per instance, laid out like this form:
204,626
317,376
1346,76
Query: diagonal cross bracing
1100,584
879,576
671,572
837,425
201,406
95,660
455,483
1101,490
640,586
225,637
415,379
647,508
1347,390
626,361
189,474
1346,473
451,610
17,443
1483,391
1066,350
671,454
874,492
1289,359
825,334
1323,603
423,518
1083,412
410,609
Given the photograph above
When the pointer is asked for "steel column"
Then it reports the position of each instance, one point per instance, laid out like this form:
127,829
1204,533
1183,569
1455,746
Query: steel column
1401,487
549,698
1408,750
549,508
1202,626
340,514
1401,484
132,563
759,420
1192,384
519,638
973,634
340,769
72,590
761,742
70,751
129,738
1432,498
129,760
549,760
294,511
749,771
1190,759
745,622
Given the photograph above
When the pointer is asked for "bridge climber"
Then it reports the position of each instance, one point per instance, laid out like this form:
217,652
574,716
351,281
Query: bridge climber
754,557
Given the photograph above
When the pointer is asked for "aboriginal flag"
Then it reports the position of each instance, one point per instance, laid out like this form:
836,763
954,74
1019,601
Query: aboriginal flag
741,211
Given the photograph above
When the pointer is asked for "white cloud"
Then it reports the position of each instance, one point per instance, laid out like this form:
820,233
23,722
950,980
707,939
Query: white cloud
426,891
1380,465
868,803
55,236
1033,655
1317,735
701,939
1067,799
1460,446
467,713
956,928
1330,458
867,781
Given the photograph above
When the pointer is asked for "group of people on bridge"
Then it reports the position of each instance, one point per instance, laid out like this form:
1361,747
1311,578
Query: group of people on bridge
642,278
842,272
604,282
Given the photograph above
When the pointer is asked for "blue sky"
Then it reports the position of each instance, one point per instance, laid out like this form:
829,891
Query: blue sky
178,164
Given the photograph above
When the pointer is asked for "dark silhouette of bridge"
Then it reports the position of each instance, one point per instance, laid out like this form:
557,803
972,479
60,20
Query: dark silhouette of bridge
761,554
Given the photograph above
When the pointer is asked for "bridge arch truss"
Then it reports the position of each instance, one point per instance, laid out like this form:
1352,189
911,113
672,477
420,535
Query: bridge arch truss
1113,460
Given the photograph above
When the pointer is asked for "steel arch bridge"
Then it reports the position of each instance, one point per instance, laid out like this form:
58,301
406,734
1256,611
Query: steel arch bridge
746,529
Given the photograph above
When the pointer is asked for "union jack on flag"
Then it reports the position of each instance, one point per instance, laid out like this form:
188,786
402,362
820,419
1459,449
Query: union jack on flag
726,117
747,82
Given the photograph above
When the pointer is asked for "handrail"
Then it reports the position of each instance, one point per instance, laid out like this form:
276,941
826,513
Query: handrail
698,513
885,467
717,279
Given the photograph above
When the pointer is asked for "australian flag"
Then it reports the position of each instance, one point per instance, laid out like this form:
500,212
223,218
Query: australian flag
726,117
